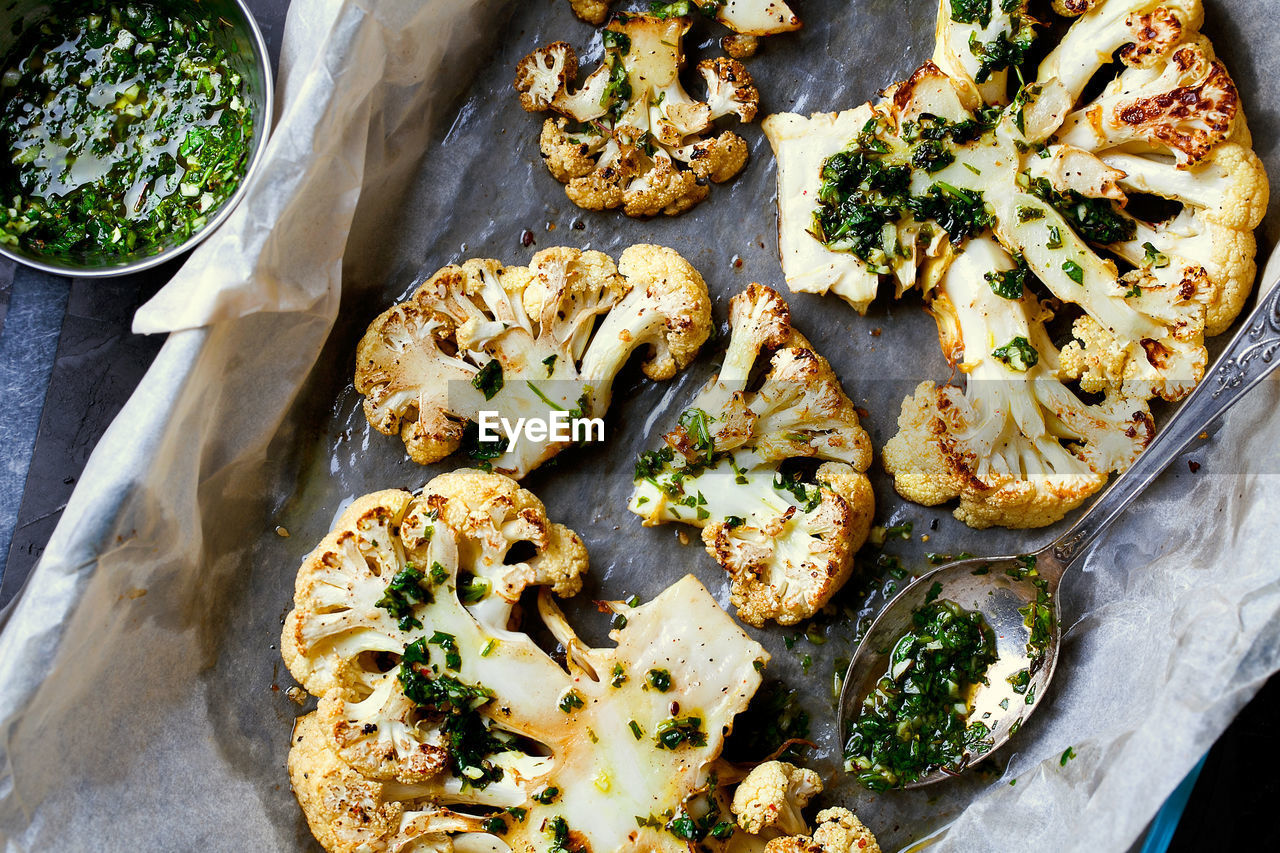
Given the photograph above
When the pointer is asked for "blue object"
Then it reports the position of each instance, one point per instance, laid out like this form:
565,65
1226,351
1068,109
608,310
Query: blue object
1165,824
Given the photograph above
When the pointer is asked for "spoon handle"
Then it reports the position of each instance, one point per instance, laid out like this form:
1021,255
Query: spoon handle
1249,359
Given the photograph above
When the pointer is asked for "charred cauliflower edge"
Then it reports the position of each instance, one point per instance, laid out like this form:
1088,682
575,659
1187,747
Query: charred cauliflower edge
629,135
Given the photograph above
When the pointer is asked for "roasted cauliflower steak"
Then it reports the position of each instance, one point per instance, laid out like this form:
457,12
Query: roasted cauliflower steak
1129,215
540,341
629,135
440,719
785,535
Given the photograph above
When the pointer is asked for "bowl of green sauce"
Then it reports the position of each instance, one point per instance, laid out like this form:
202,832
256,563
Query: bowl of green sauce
131,129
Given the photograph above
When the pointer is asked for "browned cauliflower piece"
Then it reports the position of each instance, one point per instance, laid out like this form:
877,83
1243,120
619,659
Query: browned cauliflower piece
1184,107
630,136
839,831
1018,448
740,46
671,322
343,809
591,11
1224,198
567,155
772,796
1072,8
730,88
786,541
440,715
1142,32
753,17
524,341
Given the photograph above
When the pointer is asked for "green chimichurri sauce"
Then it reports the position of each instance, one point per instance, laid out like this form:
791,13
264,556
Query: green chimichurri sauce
916,718
125,130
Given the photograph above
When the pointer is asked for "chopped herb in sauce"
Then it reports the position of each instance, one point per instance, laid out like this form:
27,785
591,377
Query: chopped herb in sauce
488,379
401,593
674,731
915,720
660,679
467,735
1018,355
570,701
126,130
448,643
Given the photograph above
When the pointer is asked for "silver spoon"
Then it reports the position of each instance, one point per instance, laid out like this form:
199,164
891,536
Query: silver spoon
999,587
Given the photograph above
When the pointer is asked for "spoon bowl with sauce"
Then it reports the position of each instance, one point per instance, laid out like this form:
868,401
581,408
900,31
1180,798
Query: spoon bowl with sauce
1017,596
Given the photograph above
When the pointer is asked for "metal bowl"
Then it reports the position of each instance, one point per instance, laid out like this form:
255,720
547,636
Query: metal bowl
246,53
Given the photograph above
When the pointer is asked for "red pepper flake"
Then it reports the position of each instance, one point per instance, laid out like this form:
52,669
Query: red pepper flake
1193,465
526,238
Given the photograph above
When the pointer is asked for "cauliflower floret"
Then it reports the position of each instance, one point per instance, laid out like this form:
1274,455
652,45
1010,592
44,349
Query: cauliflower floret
1072,8
730,89
772,796
1226,254
839,831
740,46
664,188
636,123
344,809
542,76
341,581
1158,321
1017,448
1185,108
517,340
450,717
495,518
787,541
717,159
1142,30
667,312
379,737
591,11
1229,186
568,155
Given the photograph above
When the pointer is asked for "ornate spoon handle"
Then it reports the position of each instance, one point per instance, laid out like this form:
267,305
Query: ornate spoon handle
1247,361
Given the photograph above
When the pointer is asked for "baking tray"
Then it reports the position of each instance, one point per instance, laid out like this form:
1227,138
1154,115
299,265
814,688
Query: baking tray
479,187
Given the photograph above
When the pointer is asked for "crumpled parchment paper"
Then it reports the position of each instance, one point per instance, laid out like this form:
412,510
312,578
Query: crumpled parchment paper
142,698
